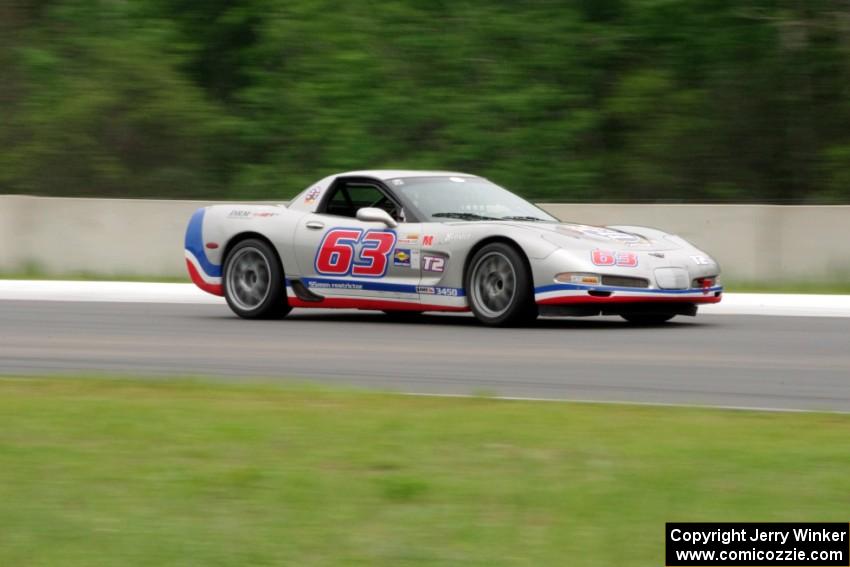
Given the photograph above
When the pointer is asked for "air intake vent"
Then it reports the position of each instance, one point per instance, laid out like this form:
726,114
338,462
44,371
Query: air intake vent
672,278
624,281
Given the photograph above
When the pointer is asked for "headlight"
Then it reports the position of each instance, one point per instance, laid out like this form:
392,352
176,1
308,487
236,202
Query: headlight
578,278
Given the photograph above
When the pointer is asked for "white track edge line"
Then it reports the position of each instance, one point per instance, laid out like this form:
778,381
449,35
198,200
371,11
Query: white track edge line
584,401
789,305
627,403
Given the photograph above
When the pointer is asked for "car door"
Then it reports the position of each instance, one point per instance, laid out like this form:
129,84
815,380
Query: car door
343,258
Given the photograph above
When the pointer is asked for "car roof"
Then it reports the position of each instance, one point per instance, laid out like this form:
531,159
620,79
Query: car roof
387,174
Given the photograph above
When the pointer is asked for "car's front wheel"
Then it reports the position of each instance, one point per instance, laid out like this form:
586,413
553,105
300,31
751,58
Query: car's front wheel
499,286
253,281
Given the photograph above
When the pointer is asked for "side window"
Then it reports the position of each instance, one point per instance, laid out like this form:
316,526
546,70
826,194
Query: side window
348,197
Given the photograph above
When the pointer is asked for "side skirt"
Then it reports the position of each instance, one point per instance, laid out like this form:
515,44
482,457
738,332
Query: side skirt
369,304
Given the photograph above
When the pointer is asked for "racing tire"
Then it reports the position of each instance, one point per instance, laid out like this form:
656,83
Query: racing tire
254,284
499,287
648,318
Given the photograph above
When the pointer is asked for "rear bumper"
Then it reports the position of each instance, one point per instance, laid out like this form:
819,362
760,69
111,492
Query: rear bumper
208,283
205,274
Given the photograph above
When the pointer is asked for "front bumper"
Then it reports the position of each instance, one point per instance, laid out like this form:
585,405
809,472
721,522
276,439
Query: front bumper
604,298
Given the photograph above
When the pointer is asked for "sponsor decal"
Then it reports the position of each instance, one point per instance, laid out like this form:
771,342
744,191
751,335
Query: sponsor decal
702,260
657,254
433,290
246,214
334,285
338,253
455,237
427,240
401,257
412,238
433,263
613,258
312,194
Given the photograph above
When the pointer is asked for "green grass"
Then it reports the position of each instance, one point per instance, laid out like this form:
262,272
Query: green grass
99,472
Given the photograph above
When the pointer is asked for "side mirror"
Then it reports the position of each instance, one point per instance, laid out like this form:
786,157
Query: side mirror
372,214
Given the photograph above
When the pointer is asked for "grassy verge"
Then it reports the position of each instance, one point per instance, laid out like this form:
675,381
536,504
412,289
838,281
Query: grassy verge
98,472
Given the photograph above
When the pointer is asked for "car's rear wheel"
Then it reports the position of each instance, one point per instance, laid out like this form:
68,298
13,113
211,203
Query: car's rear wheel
648,318
254,285
499,286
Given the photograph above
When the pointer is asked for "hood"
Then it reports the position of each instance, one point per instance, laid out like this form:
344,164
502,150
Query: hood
627,238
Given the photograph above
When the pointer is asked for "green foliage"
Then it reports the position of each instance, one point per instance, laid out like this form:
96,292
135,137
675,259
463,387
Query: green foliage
647,100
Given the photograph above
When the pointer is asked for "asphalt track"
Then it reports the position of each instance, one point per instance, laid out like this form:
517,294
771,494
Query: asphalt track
800,363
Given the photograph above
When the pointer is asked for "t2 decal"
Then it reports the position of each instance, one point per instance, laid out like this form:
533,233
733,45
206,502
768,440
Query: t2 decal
702,260
337,254
433,263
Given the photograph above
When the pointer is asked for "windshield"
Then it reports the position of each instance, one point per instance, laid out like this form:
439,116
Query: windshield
465,198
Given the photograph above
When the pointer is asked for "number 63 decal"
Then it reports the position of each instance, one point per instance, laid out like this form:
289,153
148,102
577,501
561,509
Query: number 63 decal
611,258
337,255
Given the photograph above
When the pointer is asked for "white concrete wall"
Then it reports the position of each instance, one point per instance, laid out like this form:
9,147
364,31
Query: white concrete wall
123,237
112,237
752,242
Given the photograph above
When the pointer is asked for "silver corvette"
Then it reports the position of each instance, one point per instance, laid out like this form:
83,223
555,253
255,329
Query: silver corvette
404,242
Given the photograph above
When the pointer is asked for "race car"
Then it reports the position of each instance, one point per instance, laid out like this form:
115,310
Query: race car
407,242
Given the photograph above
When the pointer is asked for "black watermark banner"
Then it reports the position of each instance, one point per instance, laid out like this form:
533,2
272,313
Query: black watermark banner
747,544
